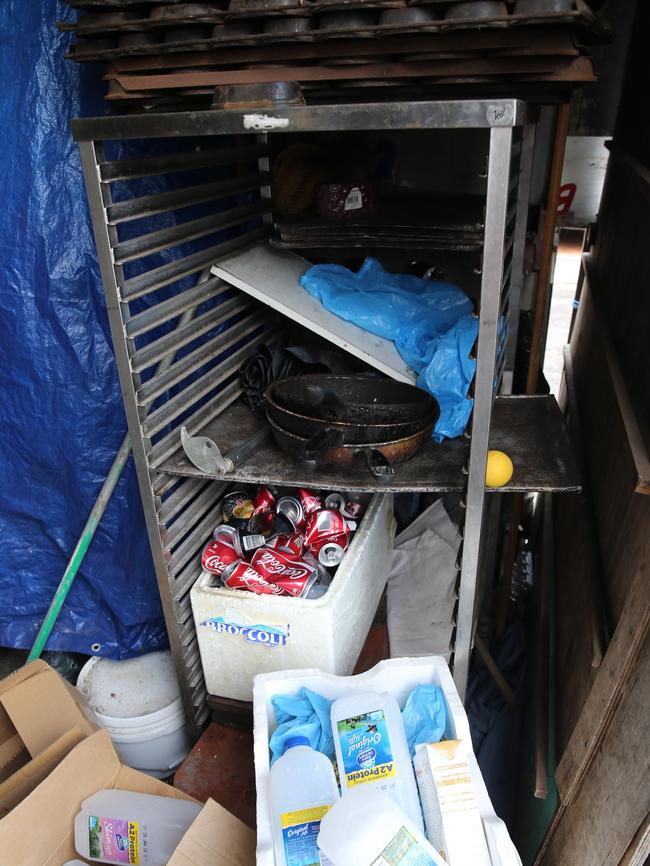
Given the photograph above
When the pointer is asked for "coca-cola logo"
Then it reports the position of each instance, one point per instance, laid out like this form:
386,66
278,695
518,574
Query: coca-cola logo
215,563
273,565
251,578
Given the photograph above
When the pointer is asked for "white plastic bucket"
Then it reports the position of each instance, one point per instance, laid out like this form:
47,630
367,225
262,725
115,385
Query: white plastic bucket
138,702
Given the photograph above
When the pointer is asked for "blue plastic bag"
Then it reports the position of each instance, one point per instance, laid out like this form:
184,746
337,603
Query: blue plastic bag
424,716
305,714
429,321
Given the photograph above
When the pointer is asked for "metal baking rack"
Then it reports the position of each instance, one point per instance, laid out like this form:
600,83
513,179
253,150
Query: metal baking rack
181,333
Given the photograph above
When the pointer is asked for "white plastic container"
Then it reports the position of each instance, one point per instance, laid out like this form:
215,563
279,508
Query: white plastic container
367,828
241,634
303,789
372,751
398,677
124,827
138,702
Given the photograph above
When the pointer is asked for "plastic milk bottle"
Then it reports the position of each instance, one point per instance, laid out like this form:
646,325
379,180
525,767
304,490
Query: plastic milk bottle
303,789
125,827
372,752
367,828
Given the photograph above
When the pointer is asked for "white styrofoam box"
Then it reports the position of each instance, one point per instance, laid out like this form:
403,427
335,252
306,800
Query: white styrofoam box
398,677
241,634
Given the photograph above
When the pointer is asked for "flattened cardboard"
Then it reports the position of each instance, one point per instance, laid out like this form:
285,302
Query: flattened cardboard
37,709
39,830
21,783
42,706
216,838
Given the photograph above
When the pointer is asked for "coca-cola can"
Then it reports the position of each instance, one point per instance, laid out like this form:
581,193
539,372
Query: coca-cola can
336,501
353,509
251,541
229,535
237,507
310,501
293,543
218,556
274,564
297,587
327,536
291,508
346,506
331,554
242,575
264,499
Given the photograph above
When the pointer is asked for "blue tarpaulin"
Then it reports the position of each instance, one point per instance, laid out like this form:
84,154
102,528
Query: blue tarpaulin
61,416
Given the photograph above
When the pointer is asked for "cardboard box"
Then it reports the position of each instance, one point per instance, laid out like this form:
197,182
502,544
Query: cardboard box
39,830
42,717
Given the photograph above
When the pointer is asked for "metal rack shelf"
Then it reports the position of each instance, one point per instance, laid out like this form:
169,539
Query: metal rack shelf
530,429
181,334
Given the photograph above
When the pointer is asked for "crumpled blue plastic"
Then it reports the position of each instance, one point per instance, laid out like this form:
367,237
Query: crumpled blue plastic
307,714
61,416
430,322
424,716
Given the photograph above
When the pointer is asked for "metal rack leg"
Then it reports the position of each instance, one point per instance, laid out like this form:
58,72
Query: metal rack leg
518,251
493,257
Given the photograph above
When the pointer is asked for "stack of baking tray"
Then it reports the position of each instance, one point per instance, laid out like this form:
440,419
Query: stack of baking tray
455,226
162,50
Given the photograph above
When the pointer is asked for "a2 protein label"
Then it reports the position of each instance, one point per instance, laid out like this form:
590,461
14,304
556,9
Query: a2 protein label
366,749
114,839
299,833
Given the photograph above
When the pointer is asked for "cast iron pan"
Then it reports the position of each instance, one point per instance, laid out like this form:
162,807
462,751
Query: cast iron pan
353,434
326,448
352,400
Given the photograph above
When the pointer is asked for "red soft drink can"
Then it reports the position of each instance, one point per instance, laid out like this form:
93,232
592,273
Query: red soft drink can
291,508
310,501
345,506
291,543
297,587
237,507
219,554
336,501
251,541
327,536
241,575
264,499
276,566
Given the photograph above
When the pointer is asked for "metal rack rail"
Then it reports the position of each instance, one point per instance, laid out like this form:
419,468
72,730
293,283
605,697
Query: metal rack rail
180,334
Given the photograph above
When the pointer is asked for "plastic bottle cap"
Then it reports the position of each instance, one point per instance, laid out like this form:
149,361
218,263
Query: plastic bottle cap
296,741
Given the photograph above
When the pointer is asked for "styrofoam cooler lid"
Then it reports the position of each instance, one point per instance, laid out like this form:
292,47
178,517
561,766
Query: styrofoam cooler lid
130,688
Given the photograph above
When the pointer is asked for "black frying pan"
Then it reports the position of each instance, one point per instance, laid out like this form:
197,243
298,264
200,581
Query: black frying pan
326,448
365,410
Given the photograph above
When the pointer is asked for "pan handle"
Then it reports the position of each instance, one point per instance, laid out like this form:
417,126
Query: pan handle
315,447
379,466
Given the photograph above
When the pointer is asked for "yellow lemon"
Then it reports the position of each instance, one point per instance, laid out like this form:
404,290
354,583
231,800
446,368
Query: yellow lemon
499,469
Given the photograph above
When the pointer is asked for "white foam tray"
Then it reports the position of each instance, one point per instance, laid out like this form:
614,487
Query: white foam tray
272,277
398,677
